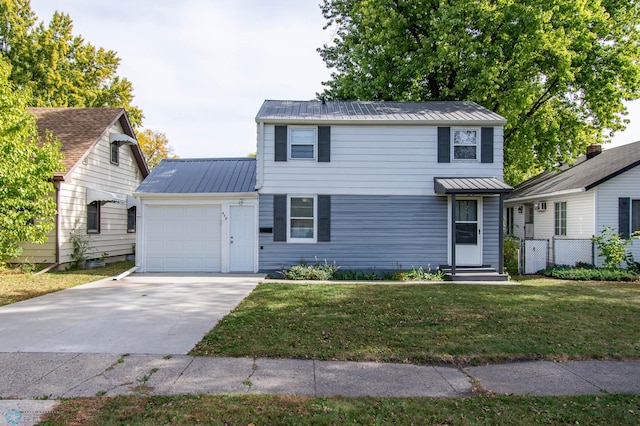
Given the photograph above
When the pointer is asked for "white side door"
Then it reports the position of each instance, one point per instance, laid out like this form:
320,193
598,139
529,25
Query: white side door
242,239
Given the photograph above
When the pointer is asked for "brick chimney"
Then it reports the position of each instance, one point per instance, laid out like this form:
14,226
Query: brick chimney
593,150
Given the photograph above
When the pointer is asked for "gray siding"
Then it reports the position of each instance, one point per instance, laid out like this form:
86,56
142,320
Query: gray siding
490,207
367,232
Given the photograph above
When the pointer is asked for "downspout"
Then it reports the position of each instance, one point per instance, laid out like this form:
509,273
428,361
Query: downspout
453,234
501,236
56,184
260,156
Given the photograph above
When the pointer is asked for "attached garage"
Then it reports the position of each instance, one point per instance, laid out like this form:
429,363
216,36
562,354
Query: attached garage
198,216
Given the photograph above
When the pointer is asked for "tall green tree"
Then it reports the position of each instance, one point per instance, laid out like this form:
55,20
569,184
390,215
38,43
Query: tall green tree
27,207
155,146
57,67
558,70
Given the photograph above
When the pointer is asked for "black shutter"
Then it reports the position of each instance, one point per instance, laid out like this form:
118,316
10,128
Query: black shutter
486,145
280,217
324,217
281,143
444,144
324,144
624,222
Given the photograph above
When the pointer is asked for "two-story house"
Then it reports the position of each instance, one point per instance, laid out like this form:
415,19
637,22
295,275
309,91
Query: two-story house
368,185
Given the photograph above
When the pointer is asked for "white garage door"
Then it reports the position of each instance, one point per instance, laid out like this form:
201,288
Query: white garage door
182,238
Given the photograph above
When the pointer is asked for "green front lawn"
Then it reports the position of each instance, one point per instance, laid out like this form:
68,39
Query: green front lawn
433,324
16,286
298,410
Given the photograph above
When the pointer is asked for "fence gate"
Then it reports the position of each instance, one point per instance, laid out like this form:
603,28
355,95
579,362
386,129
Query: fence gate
535,255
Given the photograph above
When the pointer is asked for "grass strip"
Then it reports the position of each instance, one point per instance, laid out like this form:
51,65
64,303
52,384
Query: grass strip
604,409
16,285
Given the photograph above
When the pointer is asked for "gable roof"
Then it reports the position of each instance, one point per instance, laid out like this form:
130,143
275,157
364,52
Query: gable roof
583,175
434,112
80,129
198,176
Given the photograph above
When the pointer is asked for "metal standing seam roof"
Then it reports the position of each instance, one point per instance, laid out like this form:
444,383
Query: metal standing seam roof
436,112
201,176
470,185
583,175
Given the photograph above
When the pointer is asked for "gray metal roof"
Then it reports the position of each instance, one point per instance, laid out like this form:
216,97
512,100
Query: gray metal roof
435,112
470,185
583,175
197,176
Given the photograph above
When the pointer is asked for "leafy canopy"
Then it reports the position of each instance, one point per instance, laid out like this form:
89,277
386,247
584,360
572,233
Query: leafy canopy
58,68
155,146
558,70
27,206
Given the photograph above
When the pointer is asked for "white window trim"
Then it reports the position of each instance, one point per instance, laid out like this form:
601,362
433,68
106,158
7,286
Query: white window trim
557,213
315,220
478,137
117,160
290,142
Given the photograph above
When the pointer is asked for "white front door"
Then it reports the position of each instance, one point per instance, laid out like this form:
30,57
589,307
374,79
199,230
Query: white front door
468,233
242,239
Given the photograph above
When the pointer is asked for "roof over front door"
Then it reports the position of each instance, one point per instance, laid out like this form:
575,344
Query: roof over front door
470,185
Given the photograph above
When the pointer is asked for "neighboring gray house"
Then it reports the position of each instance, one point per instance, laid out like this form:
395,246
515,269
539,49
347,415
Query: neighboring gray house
380,185
575,202
198,215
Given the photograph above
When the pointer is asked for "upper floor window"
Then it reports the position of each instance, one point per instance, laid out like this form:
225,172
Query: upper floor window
302,143
465,144
93,217
115,153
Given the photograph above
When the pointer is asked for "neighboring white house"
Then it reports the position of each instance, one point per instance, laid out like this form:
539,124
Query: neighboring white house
104,165
199,215
575,202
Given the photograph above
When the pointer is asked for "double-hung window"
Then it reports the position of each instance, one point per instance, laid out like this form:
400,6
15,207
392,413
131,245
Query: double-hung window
93,218
115,153
465,144
131,219
302,143
510,221
635,215
561,219
302,219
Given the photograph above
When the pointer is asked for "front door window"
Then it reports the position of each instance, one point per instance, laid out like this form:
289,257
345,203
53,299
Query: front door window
467,222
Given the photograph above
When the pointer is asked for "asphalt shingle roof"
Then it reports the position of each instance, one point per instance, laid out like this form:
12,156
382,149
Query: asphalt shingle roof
197,176
78,129
584,174
435,112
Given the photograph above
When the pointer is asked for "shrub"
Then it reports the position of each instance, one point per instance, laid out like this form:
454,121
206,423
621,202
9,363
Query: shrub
319,271
511,248
611,246
589,272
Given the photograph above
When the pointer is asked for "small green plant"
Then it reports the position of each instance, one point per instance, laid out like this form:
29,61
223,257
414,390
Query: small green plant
318,271
81,248
421,275
511,248
611,246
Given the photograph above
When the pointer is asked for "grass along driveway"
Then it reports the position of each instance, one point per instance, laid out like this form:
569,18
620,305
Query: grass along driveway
433,324
16,286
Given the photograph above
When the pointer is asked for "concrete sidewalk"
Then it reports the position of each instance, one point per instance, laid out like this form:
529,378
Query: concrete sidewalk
65,375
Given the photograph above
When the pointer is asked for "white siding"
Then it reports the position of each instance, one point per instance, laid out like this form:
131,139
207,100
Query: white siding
580,216
371,160
625,185
97,172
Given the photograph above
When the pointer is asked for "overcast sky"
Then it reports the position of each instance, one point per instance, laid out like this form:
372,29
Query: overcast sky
200,69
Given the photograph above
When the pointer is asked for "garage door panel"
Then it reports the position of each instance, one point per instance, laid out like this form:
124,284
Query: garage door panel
183,238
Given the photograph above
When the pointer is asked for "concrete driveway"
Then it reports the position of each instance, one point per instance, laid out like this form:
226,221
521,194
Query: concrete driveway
140,314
